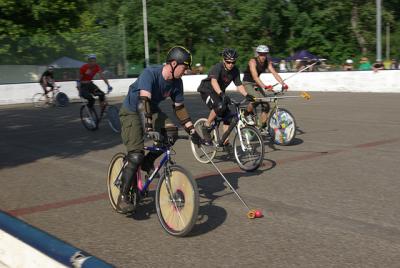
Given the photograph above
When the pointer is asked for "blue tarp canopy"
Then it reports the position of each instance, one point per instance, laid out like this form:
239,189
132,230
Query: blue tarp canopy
66,62
303,55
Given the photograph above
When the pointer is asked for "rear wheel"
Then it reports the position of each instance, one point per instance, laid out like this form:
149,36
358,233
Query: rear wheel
113,118
209,150
177,201
282,126
89,118
114,180
62,99
39,100
249,148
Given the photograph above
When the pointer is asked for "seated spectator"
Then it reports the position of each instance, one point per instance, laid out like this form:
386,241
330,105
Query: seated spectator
348,66
365,65
282,66
378,65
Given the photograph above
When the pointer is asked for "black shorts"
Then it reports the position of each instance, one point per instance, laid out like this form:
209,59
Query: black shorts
89,89
214,102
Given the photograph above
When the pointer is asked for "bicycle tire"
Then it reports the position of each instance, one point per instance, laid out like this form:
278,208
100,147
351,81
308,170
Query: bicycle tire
39,100
62,99
252,137
210,150
282,126
179,216
114,169
89,121
113,118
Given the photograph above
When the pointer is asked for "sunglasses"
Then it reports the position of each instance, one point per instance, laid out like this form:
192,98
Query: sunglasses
230,62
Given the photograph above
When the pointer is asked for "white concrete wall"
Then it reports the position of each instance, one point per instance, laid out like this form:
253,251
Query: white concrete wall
15,253
352,81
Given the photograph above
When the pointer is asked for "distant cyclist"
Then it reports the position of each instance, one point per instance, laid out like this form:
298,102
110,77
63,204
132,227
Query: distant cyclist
47,81
153,86
251,80
86,86
212,89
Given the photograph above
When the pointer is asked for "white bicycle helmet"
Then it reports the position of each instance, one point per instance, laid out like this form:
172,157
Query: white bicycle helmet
91,56
262,49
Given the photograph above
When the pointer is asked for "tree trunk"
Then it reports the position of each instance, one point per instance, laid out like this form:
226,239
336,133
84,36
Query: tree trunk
354,26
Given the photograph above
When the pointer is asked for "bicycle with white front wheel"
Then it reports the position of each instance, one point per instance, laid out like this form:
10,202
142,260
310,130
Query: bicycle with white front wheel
176,197
57,98
248,145
91,120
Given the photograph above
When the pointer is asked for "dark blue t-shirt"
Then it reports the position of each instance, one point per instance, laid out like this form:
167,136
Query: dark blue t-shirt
151,80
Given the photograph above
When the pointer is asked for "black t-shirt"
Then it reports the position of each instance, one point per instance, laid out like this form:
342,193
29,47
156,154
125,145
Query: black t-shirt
49,76
223,77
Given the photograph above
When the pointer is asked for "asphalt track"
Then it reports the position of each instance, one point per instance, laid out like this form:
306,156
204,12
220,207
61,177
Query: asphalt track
330,200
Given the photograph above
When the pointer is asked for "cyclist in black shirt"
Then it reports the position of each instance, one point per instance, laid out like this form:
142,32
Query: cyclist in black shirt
212,88
47,80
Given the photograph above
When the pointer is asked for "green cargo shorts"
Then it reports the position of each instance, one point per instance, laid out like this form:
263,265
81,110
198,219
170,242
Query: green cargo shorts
132,132
249,86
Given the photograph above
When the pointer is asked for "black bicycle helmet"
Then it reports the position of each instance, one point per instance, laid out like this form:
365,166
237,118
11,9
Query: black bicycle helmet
230,54
181,55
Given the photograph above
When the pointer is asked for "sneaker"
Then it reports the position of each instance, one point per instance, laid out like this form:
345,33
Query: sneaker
125,203
249,120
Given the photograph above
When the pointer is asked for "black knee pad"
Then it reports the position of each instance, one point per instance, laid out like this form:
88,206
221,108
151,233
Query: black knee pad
134,158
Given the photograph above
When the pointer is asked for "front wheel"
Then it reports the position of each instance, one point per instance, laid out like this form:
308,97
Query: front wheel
39,100
282,126
177,201
114,180
210,151
248,147
89,118
113,118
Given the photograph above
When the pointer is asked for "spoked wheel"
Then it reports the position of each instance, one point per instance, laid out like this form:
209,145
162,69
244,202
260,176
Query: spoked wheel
113,118
39,100
248,147
62,99
177,201
209,150
89,118
282,126
114,174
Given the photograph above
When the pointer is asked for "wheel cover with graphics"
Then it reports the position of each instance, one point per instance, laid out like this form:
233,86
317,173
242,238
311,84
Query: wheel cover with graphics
282,127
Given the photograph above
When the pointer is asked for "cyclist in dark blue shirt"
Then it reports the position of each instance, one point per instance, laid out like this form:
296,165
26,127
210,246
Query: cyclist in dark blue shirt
140,113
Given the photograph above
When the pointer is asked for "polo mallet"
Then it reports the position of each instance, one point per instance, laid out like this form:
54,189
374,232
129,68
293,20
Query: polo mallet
302,70
252,213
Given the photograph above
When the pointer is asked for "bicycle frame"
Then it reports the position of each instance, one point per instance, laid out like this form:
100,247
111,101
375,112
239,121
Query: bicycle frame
143,188
233,124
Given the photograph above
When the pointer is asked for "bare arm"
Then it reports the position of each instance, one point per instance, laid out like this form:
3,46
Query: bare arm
104,79
275,74
242,90
215,85
145,93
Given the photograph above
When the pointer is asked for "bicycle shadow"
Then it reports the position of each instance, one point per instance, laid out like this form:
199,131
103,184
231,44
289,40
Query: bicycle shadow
212,188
